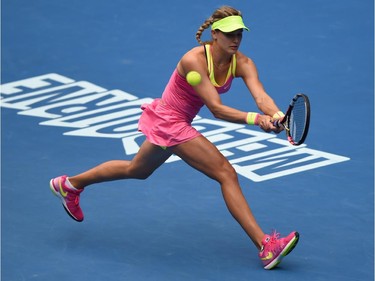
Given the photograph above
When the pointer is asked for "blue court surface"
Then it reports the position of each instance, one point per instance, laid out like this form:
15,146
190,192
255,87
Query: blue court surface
74,74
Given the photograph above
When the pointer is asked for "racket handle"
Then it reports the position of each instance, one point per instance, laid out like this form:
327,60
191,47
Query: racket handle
276,123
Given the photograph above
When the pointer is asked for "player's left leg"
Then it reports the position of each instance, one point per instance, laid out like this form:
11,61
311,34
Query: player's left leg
205,157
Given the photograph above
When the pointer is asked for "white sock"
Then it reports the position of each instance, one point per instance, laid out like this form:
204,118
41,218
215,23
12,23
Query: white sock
68,184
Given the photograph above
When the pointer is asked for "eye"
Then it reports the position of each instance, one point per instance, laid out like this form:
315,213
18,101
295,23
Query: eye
234,34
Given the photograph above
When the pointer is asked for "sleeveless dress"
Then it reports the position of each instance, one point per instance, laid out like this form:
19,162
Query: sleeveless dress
167,120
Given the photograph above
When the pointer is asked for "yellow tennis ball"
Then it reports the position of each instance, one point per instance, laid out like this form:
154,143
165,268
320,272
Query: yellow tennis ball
193,78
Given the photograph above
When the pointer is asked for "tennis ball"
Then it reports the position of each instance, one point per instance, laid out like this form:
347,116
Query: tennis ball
193,78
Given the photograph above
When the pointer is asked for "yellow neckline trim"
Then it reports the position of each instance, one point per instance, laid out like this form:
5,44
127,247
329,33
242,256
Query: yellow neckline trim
210,65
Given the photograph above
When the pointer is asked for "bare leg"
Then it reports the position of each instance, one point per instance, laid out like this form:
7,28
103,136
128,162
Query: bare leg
205,157
145,162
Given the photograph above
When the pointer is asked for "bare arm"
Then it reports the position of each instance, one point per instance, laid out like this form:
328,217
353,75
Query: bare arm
195,60
246,69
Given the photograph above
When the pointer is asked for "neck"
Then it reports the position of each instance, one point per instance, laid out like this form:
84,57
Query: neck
220,58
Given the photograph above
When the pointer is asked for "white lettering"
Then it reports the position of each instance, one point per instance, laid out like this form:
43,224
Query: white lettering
34,83
98,115
94,111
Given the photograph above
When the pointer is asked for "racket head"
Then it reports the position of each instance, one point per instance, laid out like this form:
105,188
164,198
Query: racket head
297,119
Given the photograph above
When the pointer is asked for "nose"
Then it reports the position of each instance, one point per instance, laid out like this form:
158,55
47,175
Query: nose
237,39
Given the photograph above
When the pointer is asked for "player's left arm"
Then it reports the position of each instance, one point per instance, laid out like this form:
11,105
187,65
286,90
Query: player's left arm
246,69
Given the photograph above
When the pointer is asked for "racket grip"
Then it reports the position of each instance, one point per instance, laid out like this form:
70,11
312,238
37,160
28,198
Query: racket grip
276,123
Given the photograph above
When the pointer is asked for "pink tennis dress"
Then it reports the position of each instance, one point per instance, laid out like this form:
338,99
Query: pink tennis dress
167,121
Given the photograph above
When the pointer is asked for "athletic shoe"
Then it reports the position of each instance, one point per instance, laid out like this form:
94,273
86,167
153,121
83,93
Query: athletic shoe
275,249
68,196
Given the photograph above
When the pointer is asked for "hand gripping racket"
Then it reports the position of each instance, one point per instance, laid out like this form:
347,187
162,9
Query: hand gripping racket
296,120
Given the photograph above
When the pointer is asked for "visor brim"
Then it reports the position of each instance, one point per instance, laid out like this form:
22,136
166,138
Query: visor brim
232,28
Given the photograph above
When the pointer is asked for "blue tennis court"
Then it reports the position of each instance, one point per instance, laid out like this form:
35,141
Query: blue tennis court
74,74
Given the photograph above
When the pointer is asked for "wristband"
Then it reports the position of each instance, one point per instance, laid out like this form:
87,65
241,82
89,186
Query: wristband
278,115
252,118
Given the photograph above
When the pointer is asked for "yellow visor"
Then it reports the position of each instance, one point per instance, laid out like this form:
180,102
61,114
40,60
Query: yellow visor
229,24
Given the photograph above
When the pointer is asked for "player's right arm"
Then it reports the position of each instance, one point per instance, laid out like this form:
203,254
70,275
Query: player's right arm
195,60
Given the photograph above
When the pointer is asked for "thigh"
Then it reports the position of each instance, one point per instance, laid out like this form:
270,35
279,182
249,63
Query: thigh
148,158
204,156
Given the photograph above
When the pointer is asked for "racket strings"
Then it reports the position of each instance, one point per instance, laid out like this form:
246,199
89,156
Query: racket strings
297,121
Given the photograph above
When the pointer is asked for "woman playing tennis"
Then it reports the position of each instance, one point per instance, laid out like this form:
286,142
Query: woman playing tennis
166,123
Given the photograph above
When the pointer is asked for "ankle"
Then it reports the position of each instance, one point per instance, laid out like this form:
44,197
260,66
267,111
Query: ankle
72,183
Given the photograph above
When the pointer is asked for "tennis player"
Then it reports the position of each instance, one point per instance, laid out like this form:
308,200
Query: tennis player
166,123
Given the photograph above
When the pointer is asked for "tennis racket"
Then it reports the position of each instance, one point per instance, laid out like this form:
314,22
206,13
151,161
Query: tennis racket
296,120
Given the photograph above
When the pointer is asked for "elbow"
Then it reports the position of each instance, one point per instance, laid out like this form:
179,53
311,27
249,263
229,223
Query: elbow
216,113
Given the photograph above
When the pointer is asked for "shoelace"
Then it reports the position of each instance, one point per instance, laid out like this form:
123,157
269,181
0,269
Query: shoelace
275,236
273,244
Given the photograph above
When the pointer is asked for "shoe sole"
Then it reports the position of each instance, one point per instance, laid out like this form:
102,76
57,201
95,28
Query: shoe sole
57,194
289,248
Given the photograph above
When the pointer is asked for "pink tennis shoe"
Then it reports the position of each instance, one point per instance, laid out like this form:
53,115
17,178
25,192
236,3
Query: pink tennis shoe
68,196
275,249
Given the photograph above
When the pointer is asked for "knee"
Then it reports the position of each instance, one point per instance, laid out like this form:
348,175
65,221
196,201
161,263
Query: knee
140,177
227,174
140,174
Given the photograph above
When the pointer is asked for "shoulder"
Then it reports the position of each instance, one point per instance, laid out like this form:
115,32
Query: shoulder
245,65
194,59
242,59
